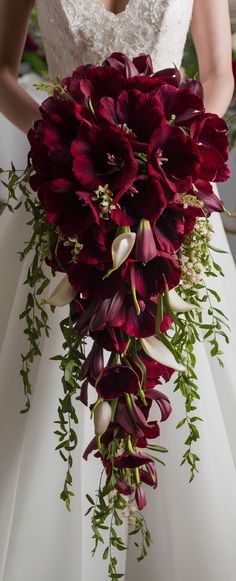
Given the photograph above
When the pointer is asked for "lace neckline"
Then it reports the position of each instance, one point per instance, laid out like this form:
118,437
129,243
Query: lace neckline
99,5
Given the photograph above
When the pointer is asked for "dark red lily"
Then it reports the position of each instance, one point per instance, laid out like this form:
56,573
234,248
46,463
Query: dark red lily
154,277
93,364
116,380
127,460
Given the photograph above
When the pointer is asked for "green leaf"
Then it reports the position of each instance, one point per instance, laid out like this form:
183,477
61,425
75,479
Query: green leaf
181,423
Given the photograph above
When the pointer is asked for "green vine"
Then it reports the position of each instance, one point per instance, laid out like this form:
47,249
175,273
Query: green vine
106,508
193,326
70,364
34,314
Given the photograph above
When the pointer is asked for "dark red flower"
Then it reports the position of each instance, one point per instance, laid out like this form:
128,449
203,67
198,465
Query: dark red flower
103,156
174,156
100,81
72,83
170,76
137,113
124,65
144,199
149,476
59,123
132,421
210,133
154,371
193,86
174,224
115,381
65,206
180,105
87,279
123,487
154,277
93,364
153,395
143,64
204,192
111,339
140,498
127,460
142,325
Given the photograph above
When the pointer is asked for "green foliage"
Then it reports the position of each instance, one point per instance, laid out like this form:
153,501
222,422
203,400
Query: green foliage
209,325
106,517
70,364
34,314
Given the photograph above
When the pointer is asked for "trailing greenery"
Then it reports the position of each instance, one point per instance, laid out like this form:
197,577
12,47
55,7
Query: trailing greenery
34,315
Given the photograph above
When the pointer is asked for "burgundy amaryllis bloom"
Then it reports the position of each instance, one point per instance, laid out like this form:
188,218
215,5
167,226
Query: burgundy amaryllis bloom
100,81
174,224
144,199
180,104
65,206
137,113
59,123
210,133
155,277
117,380
103,156
174,156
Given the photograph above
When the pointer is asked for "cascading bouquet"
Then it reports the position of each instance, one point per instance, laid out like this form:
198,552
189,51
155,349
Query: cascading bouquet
122,161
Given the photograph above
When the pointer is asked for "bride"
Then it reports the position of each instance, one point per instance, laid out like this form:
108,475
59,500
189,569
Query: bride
193,526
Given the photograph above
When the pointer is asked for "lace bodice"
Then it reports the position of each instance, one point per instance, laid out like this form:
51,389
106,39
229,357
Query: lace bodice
84,31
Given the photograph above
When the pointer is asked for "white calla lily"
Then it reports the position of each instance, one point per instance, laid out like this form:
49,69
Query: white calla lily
62,295
160,353
177,304
121,248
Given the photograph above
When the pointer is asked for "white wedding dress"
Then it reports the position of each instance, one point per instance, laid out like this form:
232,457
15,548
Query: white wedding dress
193,526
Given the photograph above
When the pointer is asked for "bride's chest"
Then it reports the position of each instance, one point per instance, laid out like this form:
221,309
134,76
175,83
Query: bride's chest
87,30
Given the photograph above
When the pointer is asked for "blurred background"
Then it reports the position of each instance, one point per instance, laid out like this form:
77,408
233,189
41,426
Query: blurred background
33,69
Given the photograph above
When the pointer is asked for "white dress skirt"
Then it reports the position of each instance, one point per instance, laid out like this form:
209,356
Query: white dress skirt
193,525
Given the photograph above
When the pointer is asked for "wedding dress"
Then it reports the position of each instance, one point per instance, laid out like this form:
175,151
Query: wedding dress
193,526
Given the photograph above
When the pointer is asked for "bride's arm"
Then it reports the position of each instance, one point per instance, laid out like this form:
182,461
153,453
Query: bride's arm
15,103
211,34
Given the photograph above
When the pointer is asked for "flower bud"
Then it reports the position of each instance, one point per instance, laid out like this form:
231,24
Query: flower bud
102,417
140,498
145,248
